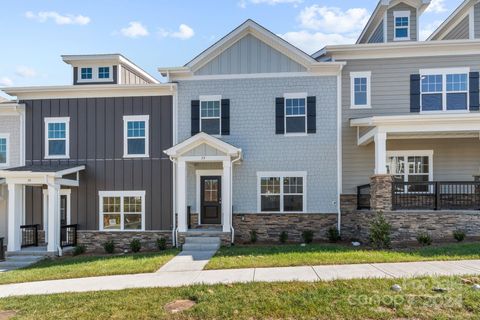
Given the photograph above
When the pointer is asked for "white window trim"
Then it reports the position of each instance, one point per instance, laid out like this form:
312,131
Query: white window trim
121,194
211,98
401,14
65,120
6,136
95,74
444,72
281,175
126,120
296,95
415,153
353,76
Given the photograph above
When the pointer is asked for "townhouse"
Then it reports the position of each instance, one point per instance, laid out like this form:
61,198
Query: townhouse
254,135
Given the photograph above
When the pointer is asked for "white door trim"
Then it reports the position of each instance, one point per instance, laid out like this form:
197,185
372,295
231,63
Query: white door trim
63,192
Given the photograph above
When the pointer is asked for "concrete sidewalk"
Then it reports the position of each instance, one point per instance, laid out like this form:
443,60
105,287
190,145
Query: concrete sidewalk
185,278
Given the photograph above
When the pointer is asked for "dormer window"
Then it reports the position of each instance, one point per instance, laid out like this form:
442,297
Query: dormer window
401,25
104,72
86,73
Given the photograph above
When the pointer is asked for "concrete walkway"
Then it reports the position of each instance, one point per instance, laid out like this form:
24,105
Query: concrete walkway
185,278
188,261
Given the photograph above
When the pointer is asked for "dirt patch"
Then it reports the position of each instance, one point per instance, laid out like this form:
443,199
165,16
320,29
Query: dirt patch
5,315
177,306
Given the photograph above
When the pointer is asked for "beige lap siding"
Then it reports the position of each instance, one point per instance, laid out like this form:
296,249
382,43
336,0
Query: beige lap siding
453,159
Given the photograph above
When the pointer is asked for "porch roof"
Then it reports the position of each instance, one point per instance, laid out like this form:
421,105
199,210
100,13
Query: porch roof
56,171
199,139
418,126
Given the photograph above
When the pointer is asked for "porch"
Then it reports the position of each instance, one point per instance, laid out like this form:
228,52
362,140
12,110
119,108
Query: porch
203,185
56,182
422,162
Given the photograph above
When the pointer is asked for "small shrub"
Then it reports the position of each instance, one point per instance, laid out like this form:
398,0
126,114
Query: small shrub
424,239
380,231
253,236
162,244
333,235
78,250
459,235
109,246
135,245
283,236
307,236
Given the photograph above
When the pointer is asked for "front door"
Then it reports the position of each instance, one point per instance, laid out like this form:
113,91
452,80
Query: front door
211,199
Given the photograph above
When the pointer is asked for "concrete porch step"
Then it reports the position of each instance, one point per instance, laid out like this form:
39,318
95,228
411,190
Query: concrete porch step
16,264
30,251
201,246
202,240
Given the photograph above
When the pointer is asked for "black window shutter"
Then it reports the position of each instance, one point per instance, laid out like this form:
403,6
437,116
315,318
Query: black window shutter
474,98
279,115
311,114
195,117
225,117
414,93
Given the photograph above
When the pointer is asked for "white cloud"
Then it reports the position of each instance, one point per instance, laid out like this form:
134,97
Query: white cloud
311,42
134,30
437,6
184,32
25,72
243,3
333,19
427,30
6,82
44,16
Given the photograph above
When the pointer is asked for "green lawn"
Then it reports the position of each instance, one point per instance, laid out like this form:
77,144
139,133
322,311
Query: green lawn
350,299
321,254
89,266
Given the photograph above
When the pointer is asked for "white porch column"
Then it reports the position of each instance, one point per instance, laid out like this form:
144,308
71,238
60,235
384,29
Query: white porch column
15,206
53,235
380,153
182,196
226,201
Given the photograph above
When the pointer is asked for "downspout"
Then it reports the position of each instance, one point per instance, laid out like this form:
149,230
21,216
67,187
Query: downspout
174,228
232,230
339,148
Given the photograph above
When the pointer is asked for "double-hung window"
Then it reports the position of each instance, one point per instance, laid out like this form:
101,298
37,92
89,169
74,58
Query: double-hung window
104,72
135,136
210,114
86,73
4,150
360,89
414,167
57,138
295,113
122,210
402,25
281,191
444,89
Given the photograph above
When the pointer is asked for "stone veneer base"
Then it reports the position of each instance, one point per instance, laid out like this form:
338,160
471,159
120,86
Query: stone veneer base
94,240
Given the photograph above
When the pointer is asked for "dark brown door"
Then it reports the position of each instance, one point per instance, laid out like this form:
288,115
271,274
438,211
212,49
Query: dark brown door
211,199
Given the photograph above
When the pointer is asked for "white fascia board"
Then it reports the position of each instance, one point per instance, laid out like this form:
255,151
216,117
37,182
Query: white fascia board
91,91
419,119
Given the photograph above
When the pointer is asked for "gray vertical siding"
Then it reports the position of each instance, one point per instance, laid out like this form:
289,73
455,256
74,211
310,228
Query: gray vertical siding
390,21
96,141
129,76
250,55
391,96
377,36
461,31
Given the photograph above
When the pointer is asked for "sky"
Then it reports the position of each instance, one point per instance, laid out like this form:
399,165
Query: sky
161,33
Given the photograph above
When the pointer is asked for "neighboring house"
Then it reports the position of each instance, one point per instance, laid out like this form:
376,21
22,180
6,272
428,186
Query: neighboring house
12,126
410,109
257,126
94,158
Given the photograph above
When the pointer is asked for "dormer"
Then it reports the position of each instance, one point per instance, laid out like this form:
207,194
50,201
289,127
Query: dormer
462,24
106,69
394,21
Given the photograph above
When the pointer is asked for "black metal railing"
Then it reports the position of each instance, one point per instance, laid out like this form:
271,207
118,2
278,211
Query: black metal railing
68,235
2,250
29,235
189,217
440,195
363,197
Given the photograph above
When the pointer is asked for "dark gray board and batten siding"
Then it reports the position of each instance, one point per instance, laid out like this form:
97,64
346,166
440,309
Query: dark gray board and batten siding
96,141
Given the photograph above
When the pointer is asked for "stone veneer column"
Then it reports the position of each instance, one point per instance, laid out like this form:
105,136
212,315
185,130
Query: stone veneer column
381,192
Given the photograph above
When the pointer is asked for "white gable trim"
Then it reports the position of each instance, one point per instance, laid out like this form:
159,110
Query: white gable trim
202,138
